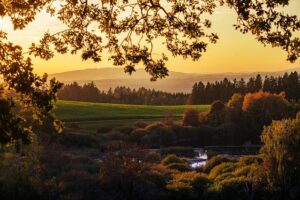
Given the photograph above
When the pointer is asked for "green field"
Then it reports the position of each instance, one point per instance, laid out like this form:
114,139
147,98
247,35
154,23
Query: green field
90,116
84,111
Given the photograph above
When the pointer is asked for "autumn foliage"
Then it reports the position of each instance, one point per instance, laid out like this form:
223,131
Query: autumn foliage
190,117
263,107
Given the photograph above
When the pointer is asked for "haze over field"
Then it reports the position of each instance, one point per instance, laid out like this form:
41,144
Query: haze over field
106,78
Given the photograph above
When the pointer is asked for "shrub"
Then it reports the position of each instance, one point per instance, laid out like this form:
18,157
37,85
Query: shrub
231,134
129,176
187,185
221,168
104,129
140,124
171,159
183,167
154,126
179,130
246,171
152,157
125,130
77,140
20,177
214,162
159,134
76,184
137,135
116,135
190,117
248,160
235,188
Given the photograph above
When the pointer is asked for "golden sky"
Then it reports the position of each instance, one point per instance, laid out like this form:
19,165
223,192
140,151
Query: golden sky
234,52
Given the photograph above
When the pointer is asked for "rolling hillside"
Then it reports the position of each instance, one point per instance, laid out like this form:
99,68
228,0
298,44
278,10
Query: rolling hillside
106,78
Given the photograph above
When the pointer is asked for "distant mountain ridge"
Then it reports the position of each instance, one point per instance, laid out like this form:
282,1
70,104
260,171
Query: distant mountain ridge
106,78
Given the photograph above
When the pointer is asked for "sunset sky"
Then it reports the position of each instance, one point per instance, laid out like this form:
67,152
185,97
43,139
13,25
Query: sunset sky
234,52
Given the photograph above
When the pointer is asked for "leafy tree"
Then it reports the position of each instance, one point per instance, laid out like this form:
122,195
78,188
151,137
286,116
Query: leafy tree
263,107
190,117
216,114
281,157
130,174
30,96
236,104
187,185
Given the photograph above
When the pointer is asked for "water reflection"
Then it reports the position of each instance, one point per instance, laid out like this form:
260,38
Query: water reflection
199,160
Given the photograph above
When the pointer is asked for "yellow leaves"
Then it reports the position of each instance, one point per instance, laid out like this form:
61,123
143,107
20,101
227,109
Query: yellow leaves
187,181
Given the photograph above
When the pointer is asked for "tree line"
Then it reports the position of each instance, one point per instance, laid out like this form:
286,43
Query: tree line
202,93
121,95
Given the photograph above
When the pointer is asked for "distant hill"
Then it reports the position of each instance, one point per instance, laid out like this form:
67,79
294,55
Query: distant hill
106,78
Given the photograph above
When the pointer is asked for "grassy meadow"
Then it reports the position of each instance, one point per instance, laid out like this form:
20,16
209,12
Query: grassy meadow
90,116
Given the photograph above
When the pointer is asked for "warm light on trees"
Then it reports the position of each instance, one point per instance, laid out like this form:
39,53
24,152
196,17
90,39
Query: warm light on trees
281,157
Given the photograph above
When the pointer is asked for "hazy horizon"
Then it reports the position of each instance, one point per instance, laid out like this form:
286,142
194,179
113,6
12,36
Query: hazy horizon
202,73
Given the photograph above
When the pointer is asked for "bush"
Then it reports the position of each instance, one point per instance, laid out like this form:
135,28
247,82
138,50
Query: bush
183,167
116,135
104,129
171,159
187,185
179,130
231,134
77,140
77,184
159,134
190,117
214,162
221,168
155,126
248,160
125,130
234,188
140,124
137,135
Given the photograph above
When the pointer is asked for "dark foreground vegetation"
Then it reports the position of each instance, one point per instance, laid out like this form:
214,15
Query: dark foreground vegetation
201,93
117,163
127,171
